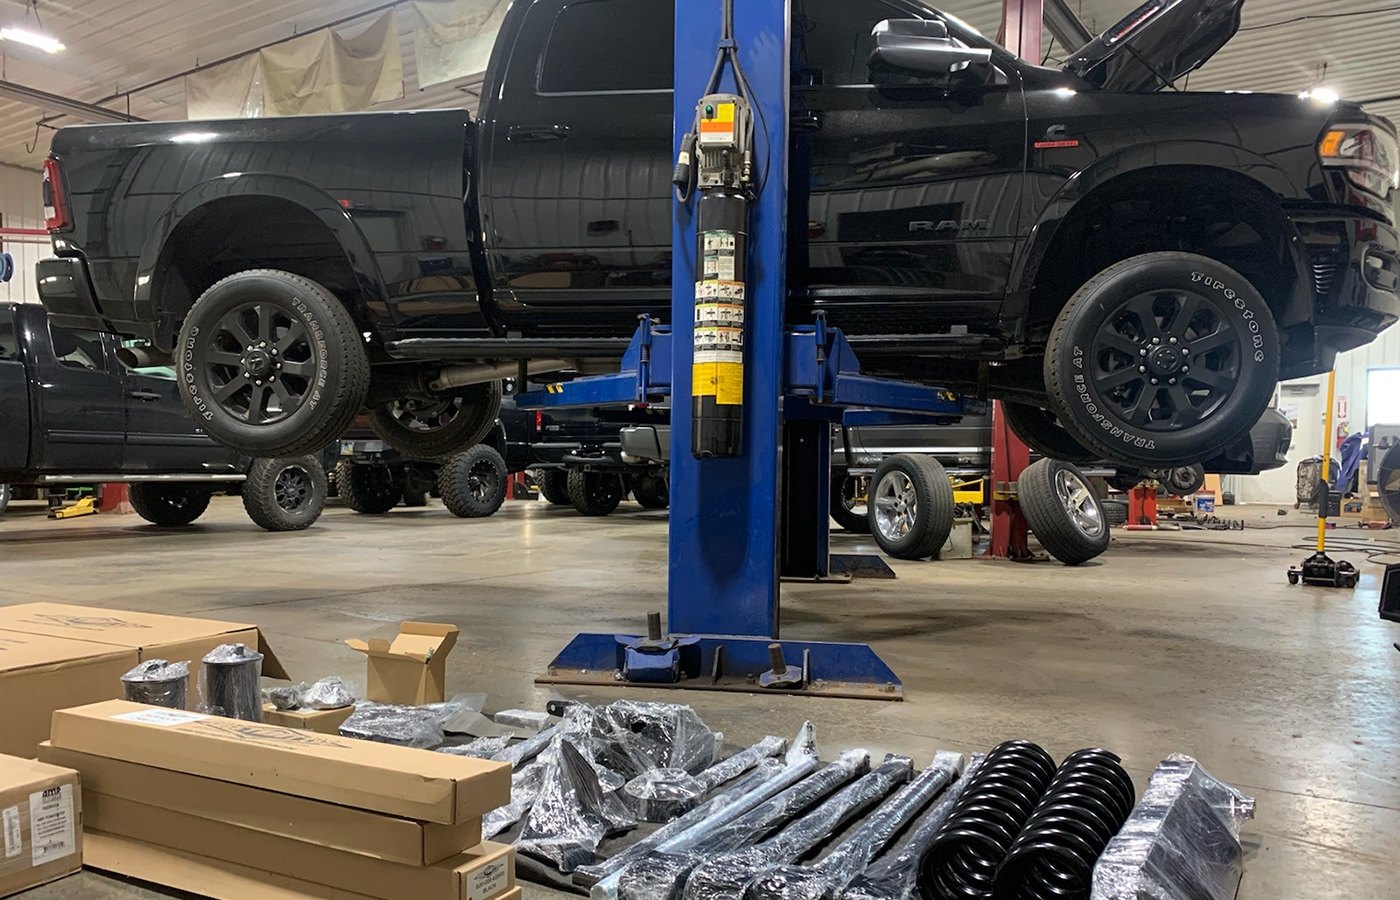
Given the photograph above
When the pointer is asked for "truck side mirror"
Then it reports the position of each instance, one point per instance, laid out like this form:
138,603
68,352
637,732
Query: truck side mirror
921,48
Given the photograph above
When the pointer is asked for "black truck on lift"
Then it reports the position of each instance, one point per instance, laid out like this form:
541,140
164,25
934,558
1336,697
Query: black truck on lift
72,413
1132,269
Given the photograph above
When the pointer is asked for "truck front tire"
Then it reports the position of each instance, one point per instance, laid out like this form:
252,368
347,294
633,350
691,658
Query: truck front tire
171,504
271,364
285,494
438,428
1162,360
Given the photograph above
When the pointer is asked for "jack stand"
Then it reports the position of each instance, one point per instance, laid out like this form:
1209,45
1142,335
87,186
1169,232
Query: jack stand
1142,506
1010,457
1320,570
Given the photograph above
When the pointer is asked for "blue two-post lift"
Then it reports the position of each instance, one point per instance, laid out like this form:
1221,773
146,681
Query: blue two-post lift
738,525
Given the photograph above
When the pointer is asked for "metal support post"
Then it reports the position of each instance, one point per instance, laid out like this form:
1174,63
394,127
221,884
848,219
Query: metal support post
1010,457
1022,22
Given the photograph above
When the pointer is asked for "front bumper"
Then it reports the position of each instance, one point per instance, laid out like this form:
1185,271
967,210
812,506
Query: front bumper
1354,263
65,289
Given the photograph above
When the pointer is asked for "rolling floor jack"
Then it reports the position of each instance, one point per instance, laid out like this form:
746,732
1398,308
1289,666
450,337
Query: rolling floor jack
1321,570
86,505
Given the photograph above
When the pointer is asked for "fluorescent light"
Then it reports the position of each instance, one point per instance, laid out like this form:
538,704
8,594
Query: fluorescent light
33,39
1321,95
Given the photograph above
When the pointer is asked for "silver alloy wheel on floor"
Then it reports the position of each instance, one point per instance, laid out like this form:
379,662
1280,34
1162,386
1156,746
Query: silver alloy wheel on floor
1079,502
896,506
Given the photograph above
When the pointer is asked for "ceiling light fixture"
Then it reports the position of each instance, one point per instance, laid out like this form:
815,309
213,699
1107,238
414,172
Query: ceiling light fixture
32,39
1322,95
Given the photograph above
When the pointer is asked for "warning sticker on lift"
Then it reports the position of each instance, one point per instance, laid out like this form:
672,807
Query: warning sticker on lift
51,824
722,380
720,257
721,291
719,314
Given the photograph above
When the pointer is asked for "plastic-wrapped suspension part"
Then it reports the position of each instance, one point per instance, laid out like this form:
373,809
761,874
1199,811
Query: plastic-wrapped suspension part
1085,805
962,862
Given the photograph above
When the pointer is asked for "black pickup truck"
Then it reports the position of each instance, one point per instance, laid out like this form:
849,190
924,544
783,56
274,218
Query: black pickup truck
1130,265
73,413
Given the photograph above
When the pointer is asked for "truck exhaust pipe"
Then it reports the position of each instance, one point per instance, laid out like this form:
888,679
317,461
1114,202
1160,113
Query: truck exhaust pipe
144,358
462,376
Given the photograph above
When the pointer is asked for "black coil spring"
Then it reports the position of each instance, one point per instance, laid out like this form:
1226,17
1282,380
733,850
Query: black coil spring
1053,857
962,861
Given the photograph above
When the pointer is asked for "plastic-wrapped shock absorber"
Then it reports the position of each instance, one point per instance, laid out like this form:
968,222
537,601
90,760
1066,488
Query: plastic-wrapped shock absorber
962,862
231,673
1085,805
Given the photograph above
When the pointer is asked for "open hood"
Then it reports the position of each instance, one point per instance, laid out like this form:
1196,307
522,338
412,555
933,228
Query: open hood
1157,43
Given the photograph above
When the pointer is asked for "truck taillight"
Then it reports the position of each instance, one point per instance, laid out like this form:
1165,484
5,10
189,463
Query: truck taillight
539,421
56,215
1370,156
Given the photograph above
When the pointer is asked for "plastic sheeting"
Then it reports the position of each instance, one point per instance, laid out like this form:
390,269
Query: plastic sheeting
732,874
1182,841
572,813
839,867
661,795
328,693
228,682
660,876
158,683
403,726
894,876
453,38
633,737
481,748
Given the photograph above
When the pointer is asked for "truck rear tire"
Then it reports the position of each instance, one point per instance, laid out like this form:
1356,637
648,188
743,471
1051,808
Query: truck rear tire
554,486
473,483
595,493
434,429
1162,360
850,501
650,491
367,489
272,364
285,494
171,504
911,506
1063,511
1040,430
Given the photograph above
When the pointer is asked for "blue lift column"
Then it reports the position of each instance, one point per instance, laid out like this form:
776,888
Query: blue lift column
724,577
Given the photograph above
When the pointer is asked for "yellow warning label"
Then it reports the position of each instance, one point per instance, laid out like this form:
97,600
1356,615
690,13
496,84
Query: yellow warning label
704,379
729,384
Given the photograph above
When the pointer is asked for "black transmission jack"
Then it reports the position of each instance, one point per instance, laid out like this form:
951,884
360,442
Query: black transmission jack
1321,570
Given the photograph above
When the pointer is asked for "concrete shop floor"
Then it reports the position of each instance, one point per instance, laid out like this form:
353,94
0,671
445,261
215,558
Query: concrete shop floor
1189,642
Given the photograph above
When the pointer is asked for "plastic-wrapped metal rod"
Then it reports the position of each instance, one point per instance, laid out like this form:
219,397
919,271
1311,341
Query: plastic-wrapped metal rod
661,875
893,877
741,762
840,867
731,875
700,822
527,749
1181,841
525,786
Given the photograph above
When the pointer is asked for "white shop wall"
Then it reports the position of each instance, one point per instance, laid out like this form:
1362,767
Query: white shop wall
22,206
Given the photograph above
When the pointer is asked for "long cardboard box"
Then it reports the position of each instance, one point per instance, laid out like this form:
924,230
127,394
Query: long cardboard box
296,818
153,636
41,824
399,781
210,877
482,872
39,674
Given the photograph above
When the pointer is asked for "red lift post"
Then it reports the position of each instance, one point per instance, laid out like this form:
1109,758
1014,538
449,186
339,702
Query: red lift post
1010,457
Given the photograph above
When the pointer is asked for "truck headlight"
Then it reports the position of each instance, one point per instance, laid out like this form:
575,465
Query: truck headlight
1370,156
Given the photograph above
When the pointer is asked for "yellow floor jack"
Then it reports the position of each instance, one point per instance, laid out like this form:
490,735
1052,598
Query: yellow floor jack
86,505
1321,570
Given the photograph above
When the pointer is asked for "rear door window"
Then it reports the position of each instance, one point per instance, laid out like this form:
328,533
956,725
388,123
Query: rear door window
9,343
610,46
78,349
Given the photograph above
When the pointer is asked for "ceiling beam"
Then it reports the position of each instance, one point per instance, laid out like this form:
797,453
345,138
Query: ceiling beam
88,112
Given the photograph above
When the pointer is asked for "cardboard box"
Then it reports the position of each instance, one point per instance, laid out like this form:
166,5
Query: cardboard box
483,872
399,781
39,674
41,824
411,670
154,636
322,721
209,877
296,818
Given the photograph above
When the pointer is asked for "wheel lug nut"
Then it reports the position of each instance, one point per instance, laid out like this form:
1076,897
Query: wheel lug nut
262,343
1185,351
1156,340
259,383
1172,381
1142,369
1142,352
1173,340
1154,381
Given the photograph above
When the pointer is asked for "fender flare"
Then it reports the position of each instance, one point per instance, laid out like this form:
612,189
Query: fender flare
372,303
1233,161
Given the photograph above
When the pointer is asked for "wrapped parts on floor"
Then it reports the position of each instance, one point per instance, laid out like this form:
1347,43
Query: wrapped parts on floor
769,778
1182,841
402,726
661,795
525,786
661,875
572,813
824,880
480,748
328,693
730,876
894,876
229,682
633,737
529,748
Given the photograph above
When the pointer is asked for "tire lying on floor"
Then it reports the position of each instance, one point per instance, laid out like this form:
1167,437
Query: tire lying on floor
171,504
473,483
285,494
911,506
1063,511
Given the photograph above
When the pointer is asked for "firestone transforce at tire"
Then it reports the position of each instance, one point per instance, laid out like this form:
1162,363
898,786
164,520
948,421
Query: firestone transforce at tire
168,504
473,483
911,506
433,429
285,494
271,364
1163,359
1063,511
